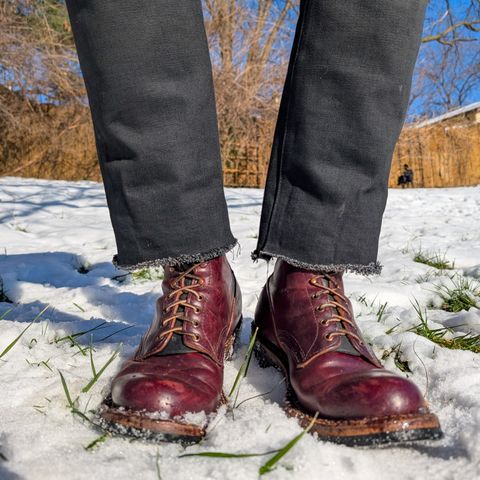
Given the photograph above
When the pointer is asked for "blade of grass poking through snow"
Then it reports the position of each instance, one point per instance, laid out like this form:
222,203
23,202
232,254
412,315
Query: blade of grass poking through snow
270,465
71,403
227,455
114,333
466,341
79,334
12,344
261,394
79,307
246,363
92,363
97,375
4,314
97,441
157,466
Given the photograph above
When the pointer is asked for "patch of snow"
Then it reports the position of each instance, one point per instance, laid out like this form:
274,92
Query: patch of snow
56,244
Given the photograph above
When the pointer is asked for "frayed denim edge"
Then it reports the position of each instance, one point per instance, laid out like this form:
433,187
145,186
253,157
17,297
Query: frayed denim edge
373,268
178,260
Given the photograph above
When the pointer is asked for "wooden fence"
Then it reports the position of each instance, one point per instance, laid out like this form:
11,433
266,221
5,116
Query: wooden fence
246,166
441,155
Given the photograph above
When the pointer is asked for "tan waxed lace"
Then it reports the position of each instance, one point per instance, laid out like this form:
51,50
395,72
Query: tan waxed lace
338,317
180,288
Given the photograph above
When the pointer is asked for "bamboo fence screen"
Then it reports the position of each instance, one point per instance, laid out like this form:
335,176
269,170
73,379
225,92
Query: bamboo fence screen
441,155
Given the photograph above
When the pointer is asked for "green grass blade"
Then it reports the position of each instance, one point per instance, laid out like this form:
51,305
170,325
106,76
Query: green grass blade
246,363
77,412
157,466
261,394
92,382
13,343
270,465
71,403
97,441
4,314
226,455
67,392
79,334
79,307
92,364
114,333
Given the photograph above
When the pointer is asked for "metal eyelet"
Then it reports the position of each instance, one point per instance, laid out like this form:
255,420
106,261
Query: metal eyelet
197,310
196,338
328,338
196,324
200,297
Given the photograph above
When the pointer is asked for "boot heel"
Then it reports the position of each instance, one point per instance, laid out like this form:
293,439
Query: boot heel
265,358
234,341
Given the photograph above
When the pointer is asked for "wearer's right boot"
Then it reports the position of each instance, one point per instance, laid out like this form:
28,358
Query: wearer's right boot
178,367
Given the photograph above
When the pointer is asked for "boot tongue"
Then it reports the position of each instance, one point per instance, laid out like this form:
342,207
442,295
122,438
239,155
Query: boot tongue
345,344
176,343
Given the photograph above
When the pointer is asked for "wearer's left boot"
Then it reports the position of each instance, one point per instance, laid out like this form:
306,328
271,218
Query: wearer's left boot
307,330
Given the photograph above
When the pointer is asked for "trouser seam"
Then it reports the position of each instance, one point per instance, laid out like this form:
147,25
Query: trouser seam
284,136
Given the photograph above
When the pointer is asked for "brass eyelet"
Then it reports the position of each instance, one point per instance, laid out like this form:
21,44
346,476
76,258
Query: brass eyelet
200,297
196,338
328,338
197,310
196,324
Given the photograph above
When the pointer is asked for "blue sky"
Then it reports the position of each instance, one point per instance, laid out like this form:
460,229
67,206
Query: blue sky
470,52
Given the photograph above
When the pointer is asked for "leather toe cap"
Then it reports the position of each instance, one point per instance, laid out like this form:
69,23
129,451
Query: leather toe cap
376,393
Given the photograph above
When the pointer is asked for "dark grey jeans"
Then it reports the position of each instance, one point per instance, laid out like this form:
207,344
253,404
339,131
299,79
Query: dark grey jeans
148,75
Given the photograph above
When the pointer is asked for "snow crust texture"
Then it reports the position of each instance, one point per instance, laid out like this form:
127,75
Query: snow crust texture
56,243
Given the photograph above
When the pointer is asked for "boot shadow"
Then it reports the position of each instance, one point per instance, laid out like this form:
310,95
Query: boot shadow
127,314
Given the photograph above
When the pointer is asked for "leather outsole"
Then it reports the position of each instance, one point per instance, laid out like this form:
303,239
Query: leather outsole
368,431
133,423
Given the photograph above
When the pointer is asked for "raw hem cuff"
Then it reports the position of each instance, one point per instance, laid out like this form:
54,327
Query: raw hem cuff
373,268
178,260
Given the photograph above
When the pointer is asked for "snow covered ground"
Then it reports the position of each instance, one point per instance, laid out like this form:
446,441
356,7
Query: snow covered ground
56,244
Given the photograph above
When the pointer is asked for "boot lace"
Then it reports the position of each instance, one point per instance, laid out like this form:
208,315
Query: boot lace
183,284
342,315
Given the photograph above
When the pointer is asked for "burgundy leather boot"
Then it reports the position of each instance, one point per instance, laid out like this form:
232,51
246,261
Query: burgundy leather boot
307,329
178,367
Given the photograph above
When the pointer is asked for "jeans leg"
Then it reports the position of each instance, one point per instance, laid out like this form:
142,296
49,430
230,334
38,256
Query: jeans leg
342,110
148,76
